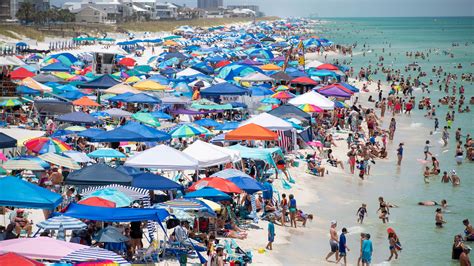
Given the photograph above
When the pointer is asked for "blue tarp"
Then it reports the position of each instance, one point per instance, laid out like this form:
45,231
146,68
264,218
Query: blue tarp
141,98
154,182
224,89
78,118
98,175
80,211
18,193
102,82
208,193
58,66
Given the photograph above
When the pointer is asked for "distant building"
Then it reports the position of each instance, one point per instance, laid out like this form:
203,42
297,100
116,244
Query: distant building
5,12
9,8
91,14
210,4
254,8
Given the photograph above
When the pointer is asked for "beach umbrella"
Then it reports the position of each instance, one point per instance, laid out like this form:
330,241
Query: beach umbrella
208,193
146,118
221,184
231,172
132,79
98,202
310,108
106,153
270,67
315,143
61,132
185,131
161,115
61,233
247,184
304,81
327,67
85,101
213,205
207,122
76,128
280,88
110,234
39,247
188,205
260,91
11,258
44,145
270,101
68,223
22,165
265,108
112,194
93,254
100,115
126,61
59,160
77,156
11,103
283,95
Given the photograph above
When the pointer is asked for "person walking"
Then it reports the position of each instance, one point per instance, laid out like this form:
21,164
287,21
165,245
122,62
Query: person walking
343,246
367,250
333,241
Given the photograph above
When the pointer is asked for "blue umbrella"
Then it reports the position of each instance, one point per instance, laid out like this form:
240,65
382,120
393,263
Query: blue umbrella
106,153
271,101
94,254
161,115
260,91
208,193
247,184
228,126
207,122
112,194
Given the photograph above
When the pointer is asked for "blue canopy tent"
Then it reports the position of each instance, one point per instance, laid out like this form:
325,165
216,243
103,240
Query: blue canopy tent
56,67
121,97
349,86
228,126
78,118
258,153
208,193
128,170
81,211
103,82
160,115
154,182
90,132
224,88
26,90
97,175
6,141
207,122
117,135
141,98
72,95
149,133
22,194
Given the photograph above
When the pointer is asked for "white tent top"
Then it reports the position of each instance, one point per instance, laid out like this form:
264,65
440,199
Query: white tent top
163,157
257,77
206,154
22,135
188,72
313,63
269,121
11,61
115,112
175,100
313,98
122,88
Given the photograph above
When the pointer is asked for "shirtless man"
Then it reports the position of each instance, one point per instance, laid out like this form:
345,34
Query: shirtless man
56,179
445,178
439,220
455,178
333,241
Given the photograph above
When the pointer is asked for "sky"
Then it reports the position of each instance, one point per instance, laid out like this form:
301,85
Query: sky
351,8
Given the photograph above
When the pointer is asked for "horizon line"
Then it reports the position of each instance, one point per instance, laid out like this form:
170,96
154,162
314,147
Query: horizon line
392,17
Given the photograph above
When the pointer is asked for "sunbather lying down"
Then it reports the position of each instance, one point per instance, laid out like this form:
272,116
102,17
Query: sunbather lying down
300,216
232,234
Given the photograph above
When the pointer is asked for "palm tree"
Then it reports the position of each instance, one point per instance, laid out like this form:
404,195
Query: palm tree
26,11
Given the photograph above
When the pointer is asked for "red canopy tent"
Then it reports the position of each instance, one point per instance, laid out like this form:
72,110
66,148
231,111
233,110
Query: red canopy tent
11,258
21,73
327,67
304,81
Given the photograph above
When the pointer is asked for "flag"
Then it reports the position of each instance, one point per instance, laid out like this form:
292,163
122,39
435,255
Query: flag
287,58
284,141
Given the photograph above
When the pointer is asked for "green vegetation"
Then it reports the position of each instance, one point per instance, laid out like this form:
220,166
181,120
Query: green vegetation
27,14
169,25
15,31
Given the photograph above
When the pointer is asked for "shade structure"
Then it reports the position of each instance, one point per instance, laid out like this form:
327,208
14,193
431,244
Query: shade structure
115,214
106,153
120,97
59,160
98,202
103,82
247,184
130,192
142,98
77,156
287,111
207,122
113,195
121,88
154,182
78,118
11,259
58,66
22,164
280,75
260,91
163,157
349,86
21,73
185,131
231,172
93,254
85,101
257,77
221,184
206,154
270,67
115,112
327,67
146,118
269,121
44,145
304,81
208,193
10,103
309,108
283,95
67,223
127,61
224,88
22,194
313,98
149,85
193,205
110,234
6,141
335,90
161,115
149,133
35,85
251,132
98,174
228,126
39,247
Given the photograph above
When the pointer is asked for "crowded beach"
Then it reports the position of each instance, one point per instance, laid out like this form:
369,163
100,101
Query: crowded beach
202,146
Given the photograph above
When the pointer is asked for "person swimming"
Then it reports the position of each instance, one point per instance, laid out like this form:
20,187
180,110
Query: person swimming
444,203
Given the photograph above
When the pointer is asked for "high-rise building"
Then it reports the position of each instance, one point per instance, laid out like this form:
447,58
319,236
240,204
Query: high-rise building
210,4
5,12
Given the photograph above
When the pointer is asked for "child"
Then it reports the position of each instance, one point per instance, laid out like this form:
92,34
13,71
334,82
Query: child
342,246
271,234
436,124
361,166
426,174
427,149
350,140
384,140
361,213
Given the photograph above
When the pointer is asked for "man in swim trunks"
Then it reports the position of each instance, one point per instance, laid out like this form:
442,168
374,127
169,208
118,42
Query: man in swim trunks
439,220
333,241
469,231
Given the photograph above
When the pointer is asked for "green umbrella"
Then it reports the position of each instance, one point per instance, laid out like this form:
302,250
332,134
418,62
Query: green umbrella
146,118
11,103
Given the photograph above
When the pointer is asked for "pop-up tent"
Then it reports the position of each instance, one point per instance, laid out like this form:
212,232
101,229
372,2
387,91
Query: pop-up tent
163,157
98,174
223,89
258,153
313,98
22,194
206,154
103,82
154,182
78,118
6,141
251,132
290,111
81,211
269,121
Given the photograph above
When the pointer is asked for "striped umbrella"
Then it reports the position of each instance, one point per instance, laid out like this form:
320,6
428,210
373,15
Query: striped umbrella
185,131
283,95
61,233
146,118
11,103
280,88
188,205
112,194
106,153
55,223
77,156
44,145
57,159
22,165
310,108
94,253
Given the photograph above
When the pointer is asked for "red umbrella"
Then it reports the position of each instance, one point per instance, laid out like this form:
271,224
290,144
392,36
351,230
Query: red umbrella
98,202
327,67
304,81
11,258
222,63
21,73
127,61
221,184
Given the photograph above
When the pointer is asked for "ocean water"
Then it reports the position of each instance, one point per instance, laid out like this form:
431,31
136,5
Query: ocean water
423,243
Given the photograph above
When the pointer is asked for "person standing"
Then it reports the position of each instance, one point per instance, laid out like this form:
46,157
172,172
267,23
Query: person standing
284,208
464,257
361,213
393,245
439,220
427,149
400,154
271,234
292,208
333,241
392,128
367,250
445,136
343,246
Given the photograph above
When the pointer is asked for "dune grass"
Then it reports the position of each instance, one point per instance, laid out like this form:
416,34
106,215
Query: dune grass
154,26
16,31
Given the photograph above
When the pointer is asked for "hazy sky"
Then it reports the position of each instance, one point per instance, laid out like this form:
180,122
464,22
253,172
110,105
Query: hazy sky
357,8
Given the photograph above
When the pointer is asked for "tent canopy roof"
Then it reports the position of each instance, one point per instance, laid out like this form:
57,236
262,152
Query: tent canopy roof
251,132
313,98
163,157
22,194
206,154
269,121
98,174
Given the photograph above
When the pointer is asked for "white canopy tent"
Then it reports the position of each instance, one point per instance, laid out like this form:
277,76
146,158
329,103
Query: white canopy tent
313,98
206,154
188,72
313,64
257,77
269,121
121,88
115,112
22,135
164,158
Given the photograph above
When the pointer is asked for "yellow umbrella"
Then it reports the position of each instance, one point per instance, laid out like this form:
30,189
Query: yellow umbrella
63,75
269,67
170,43
149,85
213,205
132,79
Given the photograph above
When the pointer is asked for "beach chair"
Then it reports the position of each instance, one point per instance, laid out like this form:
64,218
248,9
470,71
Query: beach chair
239,222
235,253
150,254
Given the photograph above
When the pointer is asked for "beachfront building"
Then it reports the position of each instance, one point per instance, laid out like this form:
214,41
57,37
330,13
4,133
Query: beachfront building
166,10
90,14
210,4
253,8
9,8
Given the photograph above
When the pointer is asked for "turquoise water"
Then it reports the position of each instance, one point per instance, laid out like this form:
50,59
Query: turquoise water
423,243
